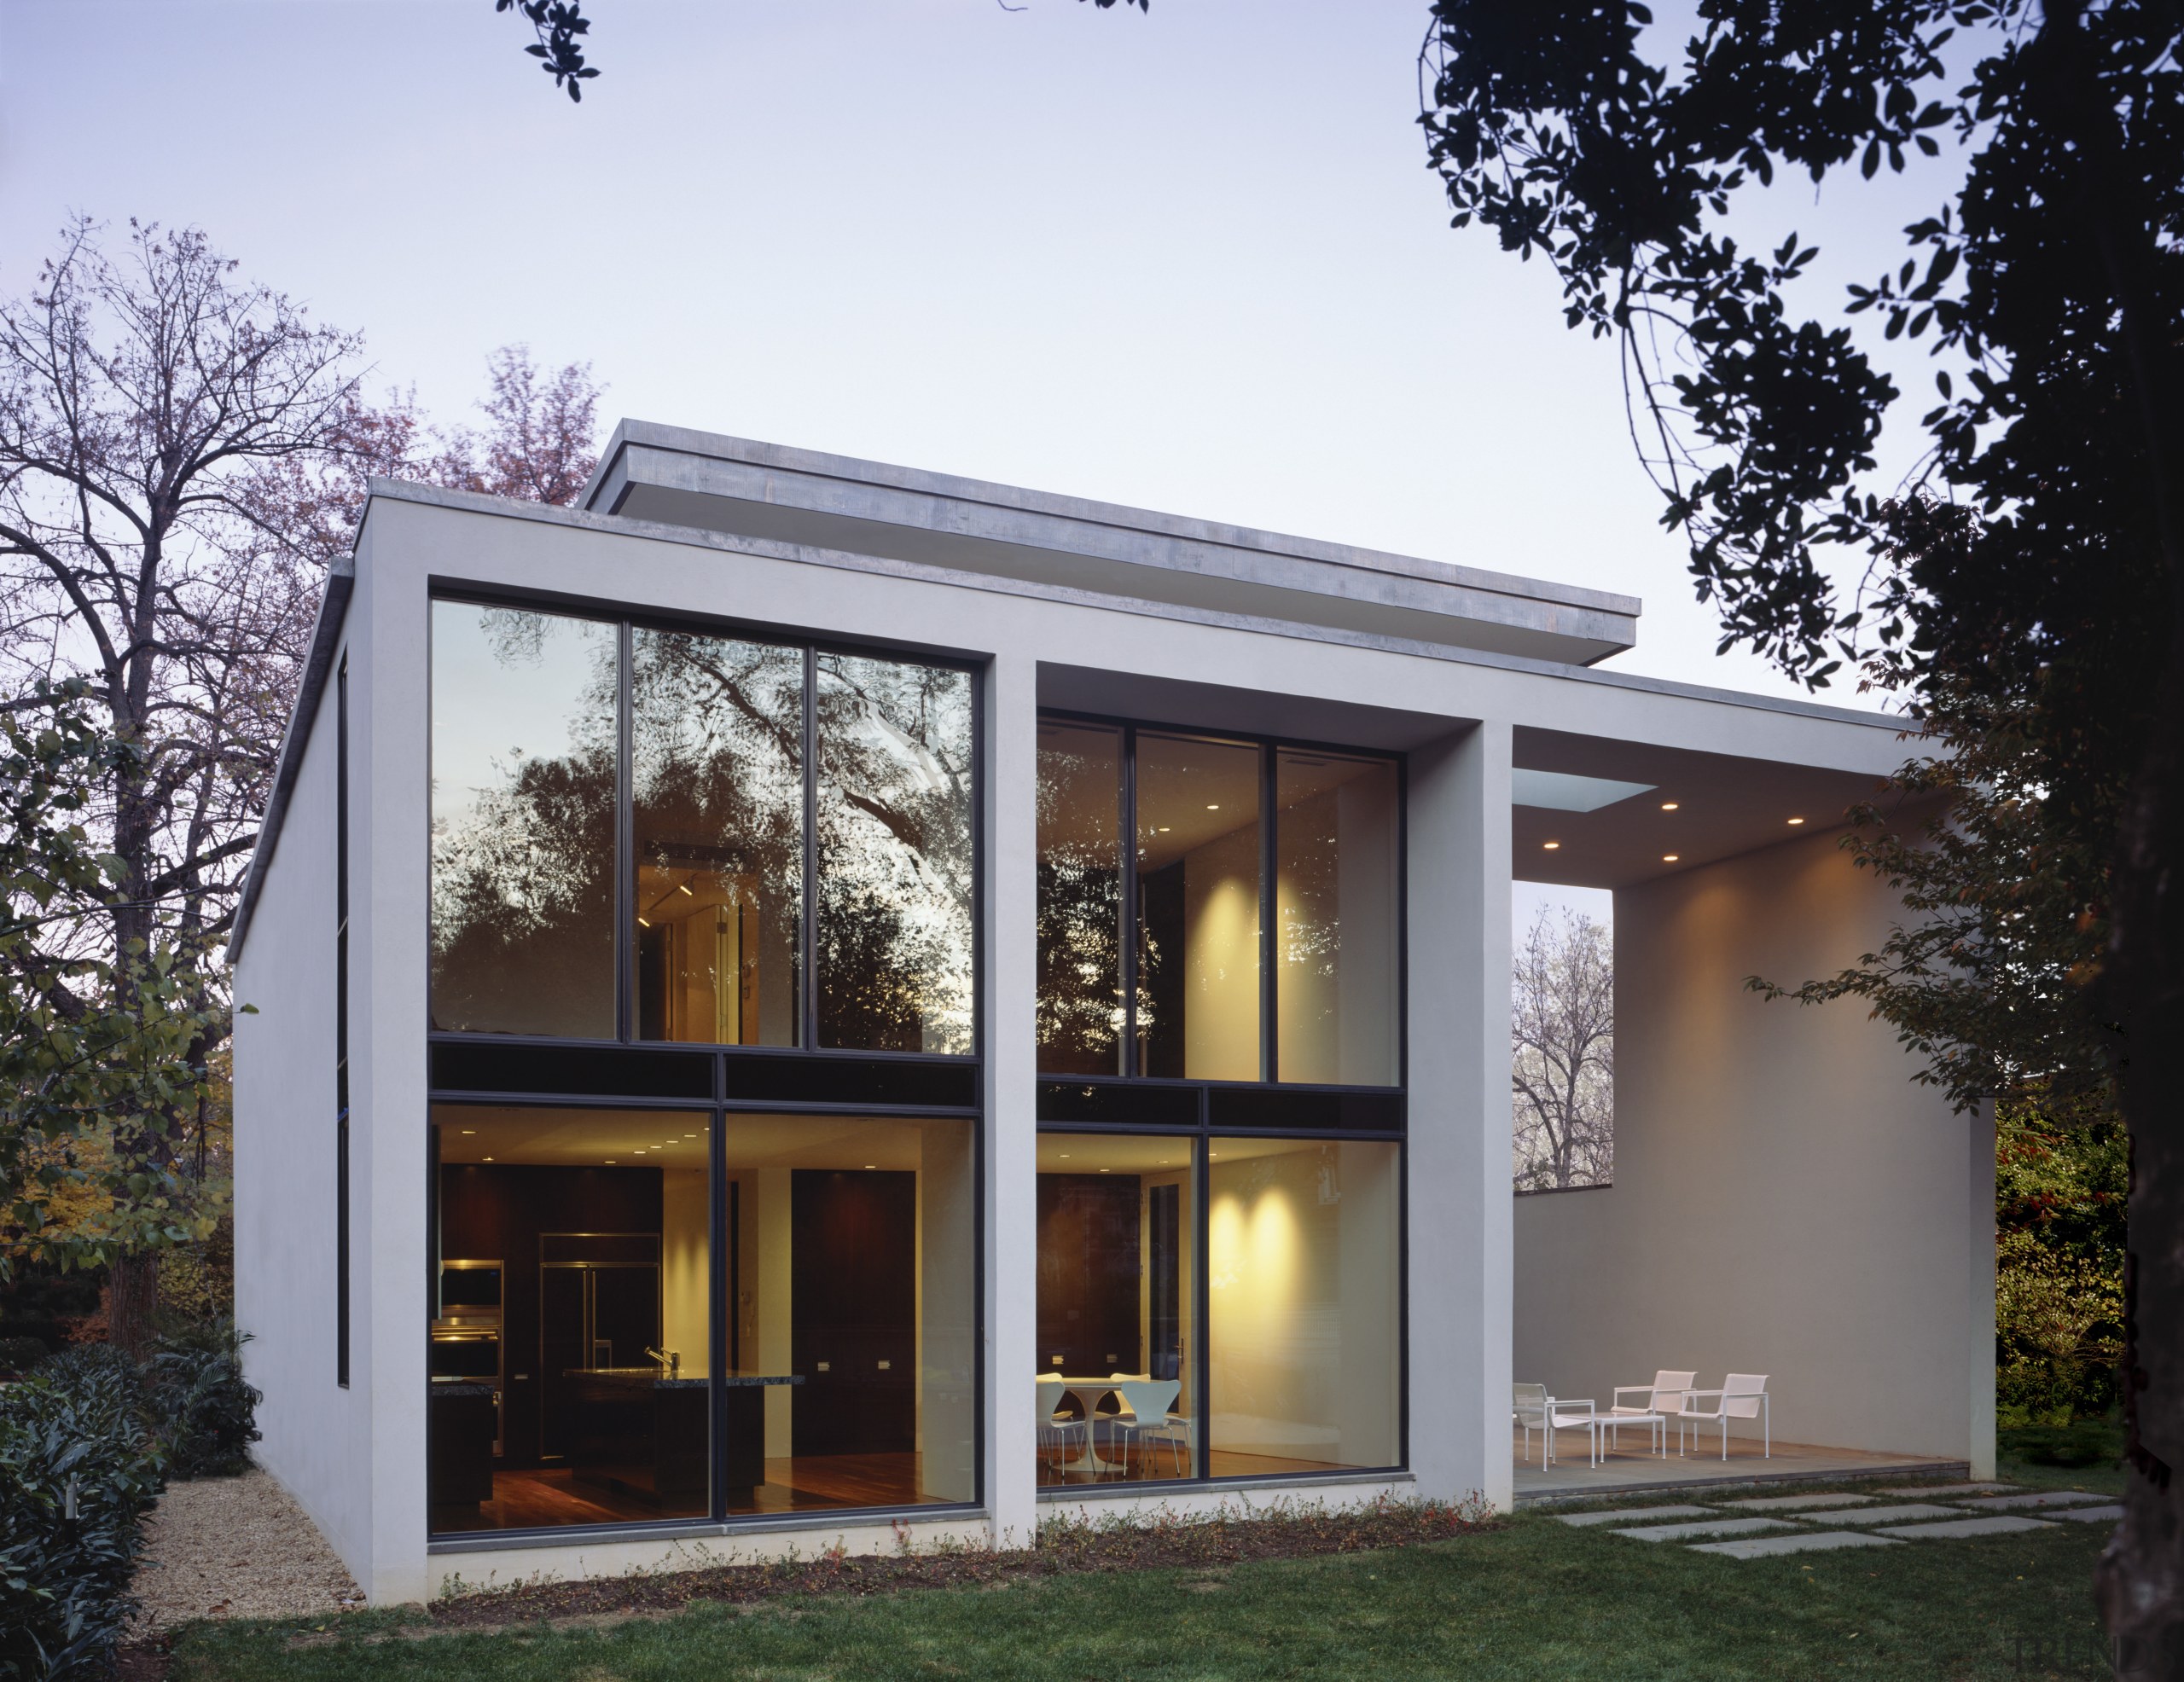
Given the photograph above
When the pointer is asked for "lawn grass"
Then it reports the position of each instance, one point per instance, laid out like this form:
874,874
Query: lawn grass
1531,1599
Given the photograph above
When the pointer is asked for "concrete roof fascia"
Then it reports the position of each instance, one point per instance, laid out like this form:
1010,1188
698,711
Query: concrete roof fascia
917,500
327,633
325,638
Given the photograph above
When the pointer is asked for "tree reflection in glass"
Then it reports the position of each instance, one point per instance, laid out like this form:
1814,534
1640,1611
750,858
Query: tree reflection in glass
717,777
895,858
1080,1003
523,758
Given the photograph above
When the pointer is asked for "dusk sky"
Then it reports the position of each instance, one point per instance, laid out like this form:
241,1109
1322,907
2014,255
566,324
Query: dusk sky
1192,260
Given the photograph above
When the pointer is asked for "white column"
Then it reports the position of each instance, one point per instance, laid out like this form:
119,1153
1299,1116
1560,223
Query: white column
1461,1260
1979,1321
1009,982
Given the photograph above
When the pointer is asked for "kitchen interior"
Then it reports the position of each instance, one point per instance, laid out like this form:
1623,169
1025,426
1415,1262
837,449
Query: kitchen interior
573,1365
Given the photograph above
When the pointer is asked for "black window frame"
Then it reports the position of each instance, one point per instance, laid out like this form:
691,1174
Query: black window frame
806,1078
341,1235
1186,1108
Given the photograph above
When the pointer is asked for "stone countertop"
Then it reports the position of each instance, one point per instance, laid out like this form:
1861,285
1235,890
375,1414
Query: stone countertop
445,1387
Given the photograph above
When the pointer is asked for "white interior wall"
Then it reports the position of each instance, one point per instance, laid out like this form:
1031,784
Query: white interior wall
314,1439
685,1269
1221,957
1786,1200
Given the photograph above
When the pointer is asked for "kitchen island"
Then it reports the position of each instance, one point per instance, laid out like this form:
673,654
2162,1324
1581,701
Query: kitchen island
643,1435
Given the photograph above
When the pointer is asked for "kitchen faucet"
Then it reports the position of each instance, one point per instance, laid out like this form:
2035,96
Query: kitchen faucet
671,1361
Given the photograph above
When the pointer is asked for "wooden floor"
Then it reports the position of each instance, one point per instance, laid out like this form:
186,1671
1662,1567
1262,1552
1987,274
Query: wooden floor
1632,1467
551,1497
1154,1464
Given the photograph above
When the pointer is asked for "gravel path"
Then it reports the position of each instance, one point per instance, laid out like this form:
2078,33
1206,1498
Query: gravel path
235,1547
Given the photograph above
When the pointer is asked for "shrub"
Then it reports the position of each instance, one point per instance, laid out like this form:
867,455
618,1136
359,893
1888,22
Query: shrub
77,1472
19,1355
205,1412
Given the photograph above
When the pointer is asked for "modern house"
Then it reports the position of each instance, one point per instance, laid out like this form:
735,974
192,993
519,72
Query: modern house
803,997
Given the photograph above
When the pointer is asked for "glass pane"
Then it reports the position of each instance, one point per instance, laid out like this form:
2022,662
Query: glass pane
1198,908
717,777
1337,996
854,1334
571,1348
523,822
1080,898
1117,1390
1304,1331
895,826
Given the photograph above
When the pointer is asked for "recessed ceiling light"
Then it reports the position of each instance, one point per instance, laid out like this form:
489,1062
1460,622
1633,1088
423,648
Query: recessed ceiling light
1550,846
1797,820
1668,858
644,922
488,1159
684,888
1064,1156
1668,805
1106,1170
1163,829
610,1162
1215,806
466,1132
871,1164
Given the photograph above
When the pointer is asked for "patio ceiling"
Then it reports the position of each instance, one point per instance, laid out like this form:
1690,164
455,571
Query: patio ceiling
1723,805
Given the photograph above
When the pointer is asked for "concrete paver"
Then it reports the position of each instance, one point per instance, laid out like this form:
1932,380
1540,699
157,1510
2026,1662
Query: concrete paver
1703,1527
1633,1515
1901,1513
1803,1541
2000,1524
2033,1498
1794,1503
1957,1489
2108,1512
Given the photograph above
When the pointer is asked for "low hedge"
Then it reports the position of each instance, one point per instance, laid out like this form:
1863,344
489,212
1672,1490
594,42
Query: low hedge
205,1413
79,1470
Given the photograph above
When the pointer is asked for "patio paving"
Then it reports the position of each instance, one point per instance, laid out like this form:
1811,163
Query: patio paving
1633,1515
2038,1498
2108,1512
1794,1503
1632,1469
1958,1489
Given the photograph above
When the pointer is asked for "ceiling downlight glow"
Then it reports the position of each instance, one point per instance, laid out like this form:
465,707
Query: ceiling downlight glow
1669,858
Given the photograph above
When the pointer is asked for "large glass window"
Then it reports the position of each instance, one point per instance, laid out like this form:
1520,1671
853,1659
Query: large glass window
1337,969
1117,1380
753,891
1080,1007
1198,908
584,1371
571,1348
523,769
895,874
1303,1309
717,773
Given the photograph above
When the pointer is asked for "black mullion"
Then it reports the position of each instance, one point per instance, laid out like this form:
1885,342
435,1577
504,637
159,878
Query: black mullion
716,1319
1270,1068
1202,1297
808,940
1126,819
625,849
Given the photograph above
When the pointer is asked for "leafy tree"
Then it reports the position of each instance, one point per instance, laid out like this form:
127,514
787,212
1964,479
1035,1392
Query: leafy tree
2029,576
182,453
1562,1063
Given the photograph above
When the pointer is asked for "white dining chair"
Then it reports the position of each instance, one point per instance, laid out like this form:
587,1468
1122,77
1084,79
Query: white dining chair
1056,1427
1146,1415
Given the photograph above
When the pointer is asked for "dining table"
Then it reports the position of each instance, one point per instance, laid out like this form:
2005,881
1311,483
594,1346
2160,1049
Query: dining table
1087,1393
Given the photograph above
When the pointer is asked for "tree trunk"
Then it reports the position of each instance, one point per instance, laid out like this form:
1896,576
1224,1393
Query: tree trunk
132,1294
2140,1581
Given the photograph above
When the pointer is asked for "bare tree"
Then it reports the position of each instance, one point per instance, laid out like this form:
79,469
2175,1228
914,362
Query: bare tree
1563,1054
182,452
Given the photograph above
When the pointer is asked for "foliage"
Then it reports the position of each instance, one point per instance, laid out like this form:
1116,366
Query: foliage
2061,1183
1562,1066
19,1355
2028,578
77,1472
205,1410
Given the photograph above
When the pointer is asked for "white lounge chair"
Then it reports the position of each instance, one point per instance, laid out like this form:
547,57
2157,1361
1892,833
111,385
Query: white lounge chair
1534,1409
1743,1396
1664,1401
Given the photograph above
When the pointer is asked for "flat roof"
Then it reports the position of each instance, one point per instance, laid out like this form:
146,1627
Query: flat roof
741,487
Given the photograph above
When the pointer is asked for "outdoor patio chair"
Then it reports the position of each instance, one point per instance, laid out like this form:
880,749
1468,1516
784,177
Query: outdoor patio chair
1743,1396
1534,1409
1663,1400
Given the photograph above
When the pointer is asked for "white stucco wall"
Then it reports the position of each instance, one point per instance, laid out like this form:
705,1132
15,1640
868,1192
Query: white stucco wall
1786,1200
315,1439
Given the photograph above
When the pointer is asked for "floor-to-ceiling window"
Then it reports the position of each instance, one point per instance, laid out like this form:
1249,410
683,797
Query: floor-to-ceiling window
705,1097
1221,1107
